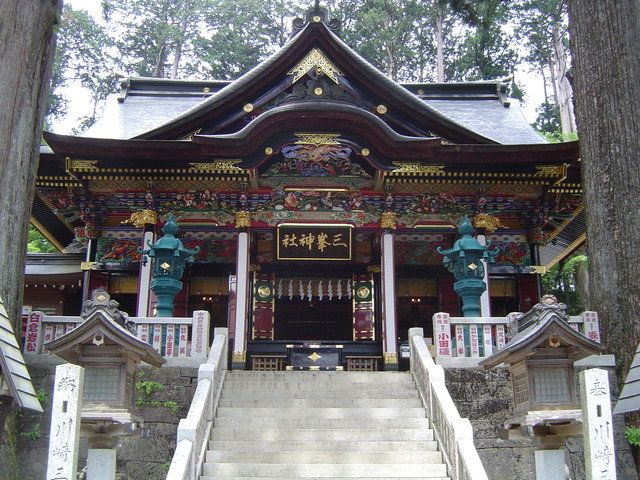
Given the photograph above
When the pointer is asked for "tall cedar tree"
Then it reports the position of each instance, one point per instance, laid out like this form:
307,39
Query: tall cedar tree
605,46
26,58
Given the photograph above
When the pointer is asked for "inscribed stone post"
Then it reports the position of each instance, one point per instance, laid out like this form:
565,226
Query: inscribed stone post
65,422
599,454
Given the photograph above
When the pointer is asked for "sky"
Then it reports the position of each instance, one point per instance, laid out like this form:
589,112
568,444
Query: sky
532,84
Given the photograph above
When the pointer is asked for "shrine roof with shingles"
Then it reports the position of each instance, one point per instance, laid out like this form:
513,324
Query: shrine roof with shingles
476,112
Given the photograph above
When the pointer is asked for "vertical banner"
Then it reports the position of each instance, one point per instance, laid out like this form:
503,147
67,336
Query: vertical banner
474,340
156,340
442,334
460,344
500,337
363,308
200,334
591,326
182,341
34,333
487,340
263,306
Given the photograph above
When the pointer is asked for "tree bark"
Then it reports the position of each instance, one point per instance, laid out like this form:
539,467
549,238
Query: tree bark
563,89
439,43
26,58
605,48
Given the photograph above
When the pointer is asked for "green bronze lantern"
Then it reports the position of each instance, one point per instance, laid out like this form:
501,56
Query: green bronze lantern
465,260
169,257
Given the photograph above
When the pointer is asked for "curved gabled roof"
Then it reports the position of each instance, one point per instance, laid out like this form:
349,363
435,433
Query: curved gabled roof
272,75
538,323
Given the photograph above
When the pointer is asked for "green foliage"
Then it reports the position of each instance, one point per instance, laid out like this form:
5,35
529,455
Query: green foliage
81,57
548,121
220,39
562,281
33,434
38,244
147,387
487,48
171,405
42,396
633,435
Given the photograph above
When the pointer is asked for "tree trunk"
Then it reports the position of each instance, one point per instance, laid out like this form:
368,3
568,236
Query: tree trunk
26,59
563,89
26,33
439,43
605,48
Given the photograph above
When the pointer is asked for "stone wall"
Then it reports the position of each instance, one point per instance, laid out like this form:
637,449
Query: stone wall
482,396
485,398
171,390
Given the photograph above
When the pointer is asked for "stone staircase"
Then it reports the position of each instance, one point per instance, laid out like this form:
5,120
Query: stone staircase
321,425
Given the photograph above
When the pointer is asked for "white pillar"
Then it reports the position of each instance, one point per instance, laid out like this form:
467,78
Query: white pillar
550,465
101,464
485,303
597,425
144,282
390,342
64,436
242,275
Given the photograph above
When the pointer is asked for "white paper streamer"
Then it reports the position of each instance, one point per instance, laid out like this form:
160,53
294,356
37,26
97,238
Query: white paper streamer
348,288
309,291
290,289
320,292
339,289
330,288
301,290
280,289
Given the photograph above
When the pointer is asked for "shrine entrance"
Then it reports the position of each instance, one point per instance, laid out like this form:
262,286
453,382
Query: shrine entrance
333,316
314,319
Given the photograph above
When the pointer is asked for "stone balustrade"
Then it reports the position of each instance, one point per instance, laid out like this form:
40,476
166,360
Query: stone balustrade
461,342
171,337
454,434
194,431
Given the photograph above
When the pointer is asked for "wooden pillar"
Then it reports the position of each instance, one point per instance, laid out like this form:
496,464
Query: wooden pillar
390,325
144,281
242,290
485,299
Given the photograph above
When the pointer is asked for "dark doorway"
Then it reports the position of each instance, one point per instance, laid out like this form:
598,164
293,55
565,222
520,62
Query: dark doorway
303,319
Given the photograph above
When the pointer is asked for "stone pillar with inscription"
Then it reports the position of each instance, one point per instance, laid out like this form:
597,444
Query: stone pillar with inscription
66,410
599,453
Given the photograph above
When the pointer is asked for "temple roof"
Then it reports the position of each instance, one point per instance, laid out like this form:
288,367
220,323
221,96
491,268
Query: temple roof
546,318
629,400
12,367
465,112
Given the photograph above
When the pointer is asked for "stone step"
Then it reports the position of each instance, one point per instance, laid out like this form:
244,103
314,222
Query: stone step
280,477
346,393
321,402
359,412
319,434
323,446
321,470
321,425
348,377
341,423
339,458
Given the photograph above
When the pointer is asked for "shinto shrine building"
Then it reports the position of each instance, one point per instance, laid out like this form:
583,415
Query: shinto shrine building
318,191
